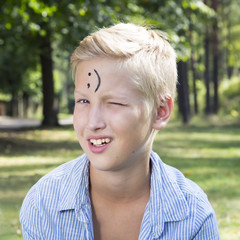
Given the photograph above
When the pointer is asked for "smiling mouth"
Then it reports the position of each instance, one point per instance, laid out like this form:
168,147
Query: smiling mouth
99,142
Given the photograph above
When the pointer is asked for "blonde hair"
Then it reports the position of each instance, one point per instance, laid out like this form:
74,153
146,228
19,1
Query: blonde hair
144,53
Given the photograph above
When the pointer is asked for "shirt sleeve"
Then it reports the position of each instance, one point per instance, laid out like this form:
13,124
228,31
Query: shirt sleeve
205,221
209,230
30,218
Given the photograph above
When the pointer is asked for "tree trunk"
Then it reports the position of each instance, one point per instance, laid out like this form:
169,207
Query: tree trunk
194,77
206,72
49,111
215,58
25,104
14,111
183,94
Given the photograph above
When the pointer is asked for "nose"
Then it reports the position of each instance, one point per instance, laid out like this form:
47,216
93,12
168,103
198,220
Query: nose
96,119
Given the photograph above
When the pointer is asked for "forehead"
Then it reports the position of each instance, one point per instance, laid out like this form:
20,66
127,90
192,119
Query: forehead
103,65
103,73
115,81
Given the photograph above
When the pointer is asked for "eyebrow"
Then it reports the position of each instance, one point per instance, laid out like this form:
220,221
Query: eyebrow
80,93
105,97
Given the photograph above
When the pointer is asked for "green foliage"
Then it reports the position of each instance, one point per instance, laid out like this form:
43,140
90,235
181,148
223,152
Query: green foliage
230,98
177,18
234,46
32,83
24,23
16,56
231,19
5,97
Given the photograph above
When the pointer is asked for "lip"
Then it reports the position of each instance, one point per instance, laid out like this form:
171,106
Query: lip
100,149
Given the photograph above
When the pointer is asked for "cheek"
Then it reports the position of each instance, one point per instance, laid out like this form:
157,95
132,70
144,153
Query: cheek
124,122
78,121
136,125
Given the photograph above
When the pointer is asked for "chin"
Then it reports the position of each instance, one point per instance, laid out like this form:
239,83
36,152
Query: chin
102,163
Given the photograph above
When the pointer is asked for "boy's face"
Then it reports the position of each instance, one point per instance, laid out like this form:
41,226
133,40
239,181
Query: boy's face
110,117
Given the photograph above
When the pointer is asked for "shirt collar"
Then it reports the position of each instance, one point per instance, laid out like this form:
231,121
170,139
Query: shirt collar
74,190
167,202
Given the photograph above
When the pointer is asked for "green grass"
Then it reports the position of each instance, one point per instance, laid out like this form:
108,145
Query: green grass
209,154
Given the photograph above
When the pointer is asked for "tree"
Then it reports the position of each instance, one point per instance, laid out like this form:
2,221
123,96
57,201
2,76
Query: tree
194,75
36,17
49,110
49,30
15,55
229,34
183,91
55,22
181,20
206,72
215,57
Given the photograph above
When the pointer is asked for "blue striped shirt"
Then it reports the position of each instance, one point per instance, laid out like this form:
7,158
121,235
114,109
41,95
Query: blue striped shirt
58,206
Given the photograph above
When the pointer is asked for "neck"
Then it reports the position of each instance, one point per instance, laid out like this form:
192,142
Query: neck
121,186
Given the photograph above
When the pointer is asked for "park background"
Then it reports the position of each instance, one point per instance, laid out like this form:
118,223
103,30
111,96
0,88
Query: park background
202,139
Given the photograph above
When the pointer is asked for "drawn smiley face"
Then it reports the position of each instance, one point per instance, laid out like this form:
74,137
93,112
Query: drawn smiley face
98,78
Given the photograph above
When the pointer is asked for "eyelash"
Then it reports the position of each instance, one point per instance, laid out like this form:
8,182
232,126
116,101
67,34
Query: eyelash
82,101
116,103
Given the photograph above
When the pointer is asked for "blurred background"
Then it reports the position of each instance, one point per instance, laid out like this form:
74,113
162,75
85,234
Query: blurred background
37,38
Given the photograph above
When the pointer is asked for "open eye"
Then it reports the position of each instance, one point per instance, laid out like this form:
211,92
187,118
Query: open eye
82,101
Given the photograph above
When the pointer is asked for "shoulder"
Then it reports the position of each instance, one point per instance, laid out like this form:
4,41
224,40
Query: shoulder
49,190
67,172
185,197
191,191
173,179
193,194
54,192
65,169
187,186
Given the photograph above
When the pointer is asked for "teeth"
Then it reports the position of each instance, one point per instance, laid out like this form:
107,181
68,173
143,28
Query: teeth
100,142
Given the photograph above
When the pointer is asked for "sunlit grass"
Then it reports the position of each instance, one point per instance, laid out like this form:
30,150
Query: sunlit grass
210,156
207,153
25,156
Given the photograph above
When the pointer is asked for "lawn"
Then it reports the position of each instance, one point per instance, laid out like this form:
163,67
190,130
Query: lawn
207,153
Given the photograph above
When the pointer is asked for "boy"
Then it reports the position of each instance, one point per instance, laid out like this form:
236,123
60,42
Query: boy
125,81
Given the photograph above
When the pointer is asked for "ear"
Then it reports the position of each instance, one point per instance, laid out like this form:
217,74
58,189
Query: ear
163,114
